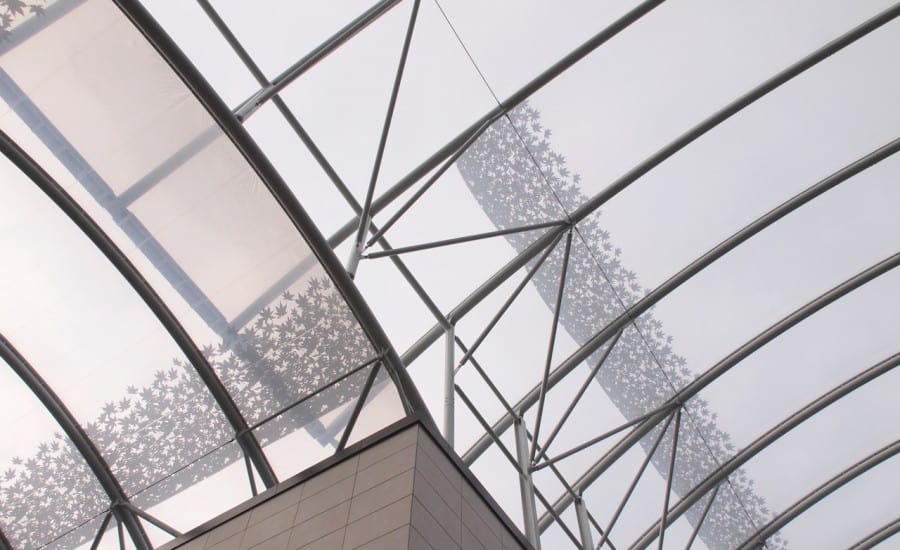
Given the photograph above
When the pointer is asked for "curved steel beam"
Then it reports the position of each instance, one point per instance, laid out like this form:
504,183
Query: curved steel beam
282,194
763,441
878,536
465,138
819,493
309,60
720,368
80,439
686,273
627,179
114,254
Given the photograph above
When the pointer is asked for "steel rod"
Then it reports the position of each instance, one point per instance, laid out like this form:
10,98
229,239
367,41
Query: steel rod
426,186
669,477
153,520
365,217
79,437
249,106
409,395
686,273
578,395
702,518
546,504
634,482
554,327
783,427
484,376
723,366
100,532
526,486
509,301
601,437
361,402
459,240
487,427
510,103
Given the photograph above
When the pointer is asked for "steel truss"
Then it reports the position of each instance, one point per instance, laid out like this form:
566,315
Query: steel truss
545,243
527,458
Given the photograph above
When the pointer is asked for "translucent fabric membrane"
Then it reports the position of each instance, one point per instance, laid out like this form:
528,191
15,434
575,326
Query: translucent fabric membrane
183,204
92,102
737,172
281,32
40,464
512,45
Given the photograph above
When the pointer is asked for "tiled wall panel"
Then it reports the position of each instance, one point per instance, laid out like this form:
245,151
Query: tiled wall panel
403,492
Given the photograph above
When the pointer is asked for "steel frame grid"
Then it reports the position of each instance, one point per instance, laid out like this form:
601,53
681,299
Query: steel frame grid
457,147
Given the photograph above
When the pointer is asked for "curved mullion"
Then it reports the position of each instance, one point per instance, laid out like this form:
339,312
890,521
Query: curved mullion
723,366
689,271
754,448
79,437
114,254
878,536
821,492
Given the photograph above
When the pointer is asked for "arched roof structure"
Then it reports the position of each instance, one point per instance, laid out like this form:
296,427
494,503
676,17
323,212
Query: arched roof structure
200,297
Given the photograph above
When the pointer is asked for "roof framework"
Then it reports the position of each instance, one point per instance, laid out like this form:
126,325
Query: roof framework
556,249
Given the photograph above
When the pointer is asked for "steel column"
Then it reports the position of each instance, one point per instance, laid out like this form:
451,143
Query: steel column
449,385
526,485
584,524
